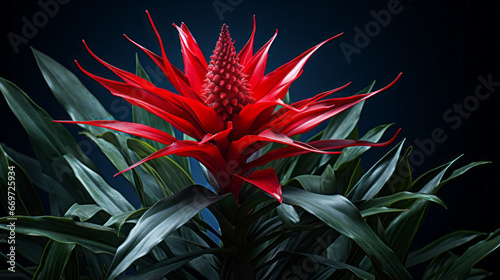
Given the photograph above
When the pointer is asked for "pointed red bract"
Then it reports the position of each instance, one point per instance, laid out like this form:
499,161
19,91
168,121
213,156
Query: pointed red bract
230,108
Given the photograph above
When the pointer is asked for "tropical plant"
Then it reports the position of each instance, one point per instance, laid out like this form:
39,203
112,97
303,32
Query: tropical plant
285,209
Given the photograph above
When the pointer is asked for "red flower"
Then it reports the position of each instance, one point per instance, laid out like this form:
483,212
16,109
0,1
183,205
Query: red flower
229,107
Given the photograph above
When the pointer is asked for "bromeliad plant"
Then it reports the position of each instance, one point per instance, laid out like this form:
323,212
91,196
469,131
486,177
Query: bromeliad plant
285,209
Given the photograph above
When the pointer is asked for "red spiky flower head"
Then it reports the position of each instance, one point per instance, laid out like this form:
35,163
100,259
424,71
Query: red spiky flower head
230,108
226,89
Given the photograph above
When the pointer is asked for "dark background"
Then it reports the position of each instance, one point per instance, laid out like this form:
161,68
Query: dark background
442,47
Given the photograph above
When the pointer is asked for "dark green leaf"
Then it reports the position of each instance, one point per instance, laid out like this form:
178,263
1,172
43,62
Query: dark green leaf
374,179
25,193
168,265
158,222
388,200
462,266
54,259
403,228
83,212
96,238
440,246
109,199
50,141
361,274
73,96
287,214
340,214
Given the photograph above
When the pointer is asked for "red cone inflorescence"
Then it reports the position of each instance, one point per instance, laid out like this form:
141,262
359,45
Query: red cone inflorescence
226,89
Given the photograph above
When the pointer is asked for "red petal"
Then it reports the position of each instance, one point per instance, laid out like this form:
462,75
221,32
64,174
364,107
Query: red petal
246,52
206,154
198,116
298,123
267,181
257,65
321,146
133,129
285,74
178,83
239,148
194,63
126,76
250,114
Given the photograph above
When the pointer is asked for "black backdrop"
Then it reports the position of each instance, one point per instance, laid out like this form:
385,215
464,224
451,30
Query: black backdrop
447,51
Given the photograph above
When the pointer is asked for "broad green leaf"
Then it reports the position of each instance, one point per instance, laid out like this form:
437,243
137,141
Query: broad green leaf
340,214
109,199
96,238
379,210
73,96
54,259
462,170
119,220
50,141
26,196
388,200
374,179
401,180
287,214
322,184
114,154
440,246
158,222
361,274
403,228
83,212
158,270
462,266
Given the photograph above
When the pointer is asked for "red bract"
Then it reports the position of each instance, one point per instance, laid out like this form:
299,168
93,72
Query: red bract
229,107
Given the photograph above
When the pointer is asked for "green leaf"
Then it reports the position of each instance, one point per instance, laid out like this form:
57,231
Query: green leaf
158,222
83,212
119,220
16,184
109,199
361,274
287,214
340,214
73,96
374,179
96,238
403,228
462,170
54,259
388,200
50,141
440,246
158,270
323,184
462,266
